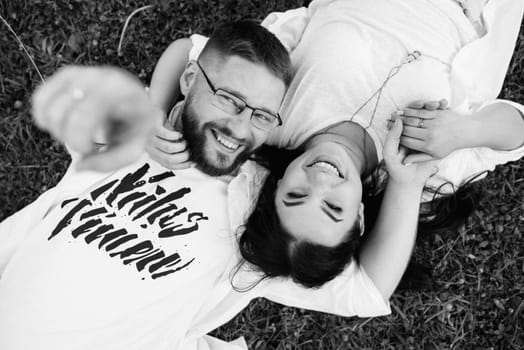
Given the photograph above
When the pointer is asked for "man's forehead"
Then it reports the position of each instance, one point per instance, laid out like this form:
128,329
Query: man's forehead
246,79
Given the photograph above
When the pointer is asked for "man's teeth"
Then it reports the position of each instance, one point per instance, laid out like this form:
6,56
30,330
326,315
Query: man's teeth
328,166
227,143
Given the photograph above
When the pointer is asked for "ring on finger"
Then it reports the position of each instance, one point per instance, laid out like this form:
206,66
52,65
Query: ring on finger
420,123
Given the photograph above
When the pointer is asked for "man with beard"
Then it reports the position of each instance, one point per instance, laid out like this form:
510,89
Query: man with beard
124,256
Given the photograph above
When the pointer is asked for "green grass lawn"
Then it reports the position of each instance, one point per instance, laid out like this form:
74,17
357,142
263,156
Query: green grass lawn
478,302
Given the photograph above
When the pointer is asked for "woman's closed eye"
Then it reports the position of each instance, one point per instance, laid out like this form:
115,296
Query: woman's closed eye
333,207
296,195
332,211
292,199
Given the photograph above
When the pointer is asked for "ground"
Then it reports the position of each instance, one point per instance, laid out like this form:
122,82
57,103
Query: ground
478,301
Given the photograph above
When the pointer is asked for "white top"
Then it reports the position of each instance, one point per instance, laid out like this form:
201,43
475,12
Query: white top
343,51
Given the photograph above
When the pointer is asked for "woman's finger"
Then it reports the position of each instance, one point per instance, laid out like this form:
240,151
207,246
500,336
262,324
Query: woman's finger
402,152
168,135
170,161
414,132
112,158
393,139
168,147
417,122
412,144
416,104
431,105
443,104
417,113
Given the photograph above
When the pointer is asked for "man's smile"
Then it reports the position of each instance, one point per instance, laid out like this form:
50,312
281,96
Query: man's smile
229,144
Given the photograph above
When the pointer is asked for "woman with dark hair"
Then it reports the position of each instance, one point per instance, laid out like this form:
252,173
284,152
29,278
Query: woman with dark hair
358,65
339,105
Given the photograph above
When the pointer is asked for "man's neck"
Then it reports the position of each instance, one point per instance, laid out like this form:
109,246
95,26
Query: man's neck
355,139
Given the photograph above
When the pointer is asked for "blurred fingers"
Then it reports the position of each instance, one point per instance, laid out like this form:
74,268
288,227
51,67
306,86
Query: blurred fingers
113,158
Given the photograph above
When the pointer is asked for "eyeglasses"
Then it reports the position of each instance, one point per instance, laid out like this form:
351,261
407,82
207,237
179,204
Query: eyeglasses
234,105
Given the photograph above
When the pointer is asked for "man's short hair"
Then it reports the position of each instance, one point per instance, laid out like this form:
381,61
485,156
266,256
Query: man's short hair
252,42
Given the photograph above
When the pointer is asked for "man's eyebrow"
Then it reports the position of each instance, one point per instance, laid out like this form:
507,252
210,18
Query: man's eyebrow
233,92
243,97
292,204
331,215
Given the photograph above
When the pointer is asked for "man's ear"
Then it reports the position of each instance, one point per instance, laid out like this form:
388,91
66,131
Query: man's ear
188,77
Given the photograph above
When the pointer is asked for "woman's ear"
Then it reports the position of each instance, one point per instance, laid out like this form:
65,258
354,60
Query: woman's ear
188,77
361,218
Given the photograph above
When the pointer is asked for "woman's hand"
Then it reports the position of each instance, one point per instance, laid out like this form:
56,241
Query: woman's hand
430,128
406,170
168,148
80,105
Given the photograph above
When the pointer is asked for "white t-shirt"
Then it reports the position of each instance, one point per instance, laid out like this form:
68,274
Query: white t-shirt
120,260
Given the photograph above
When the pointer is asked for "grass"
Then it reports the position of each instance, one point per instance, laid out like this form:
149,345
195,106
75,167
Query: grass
478,302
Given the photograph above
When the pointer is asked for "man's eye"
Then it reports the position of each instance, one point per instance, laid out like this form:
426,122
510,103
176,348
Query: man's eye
334,207
264,117
227,99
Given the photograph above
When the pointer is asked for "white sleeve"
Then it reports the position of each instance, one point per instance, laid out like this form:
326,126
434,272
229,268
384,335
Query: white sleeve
288,26
207,342
480,66
471,163
352,293
14,229
198,41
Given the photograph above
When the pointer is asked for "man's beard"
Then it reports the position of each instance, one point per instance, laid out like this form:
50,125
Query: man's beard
196,141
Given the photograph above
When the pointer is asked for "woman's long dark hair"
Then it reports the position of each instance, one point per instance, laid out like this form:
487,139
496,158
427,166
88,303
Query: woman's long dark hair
269,248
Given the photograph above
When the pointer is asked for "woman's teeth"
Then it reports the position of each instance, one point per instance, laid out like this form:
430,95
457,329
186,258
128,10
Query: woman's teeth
328,166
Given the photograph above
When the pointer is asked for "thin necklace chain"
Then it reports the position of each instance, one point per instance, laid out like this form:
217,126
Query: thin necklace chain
412,56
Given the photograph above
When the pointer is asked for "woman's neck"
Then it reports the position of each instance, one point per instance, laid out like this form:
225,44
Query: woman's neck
355,139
